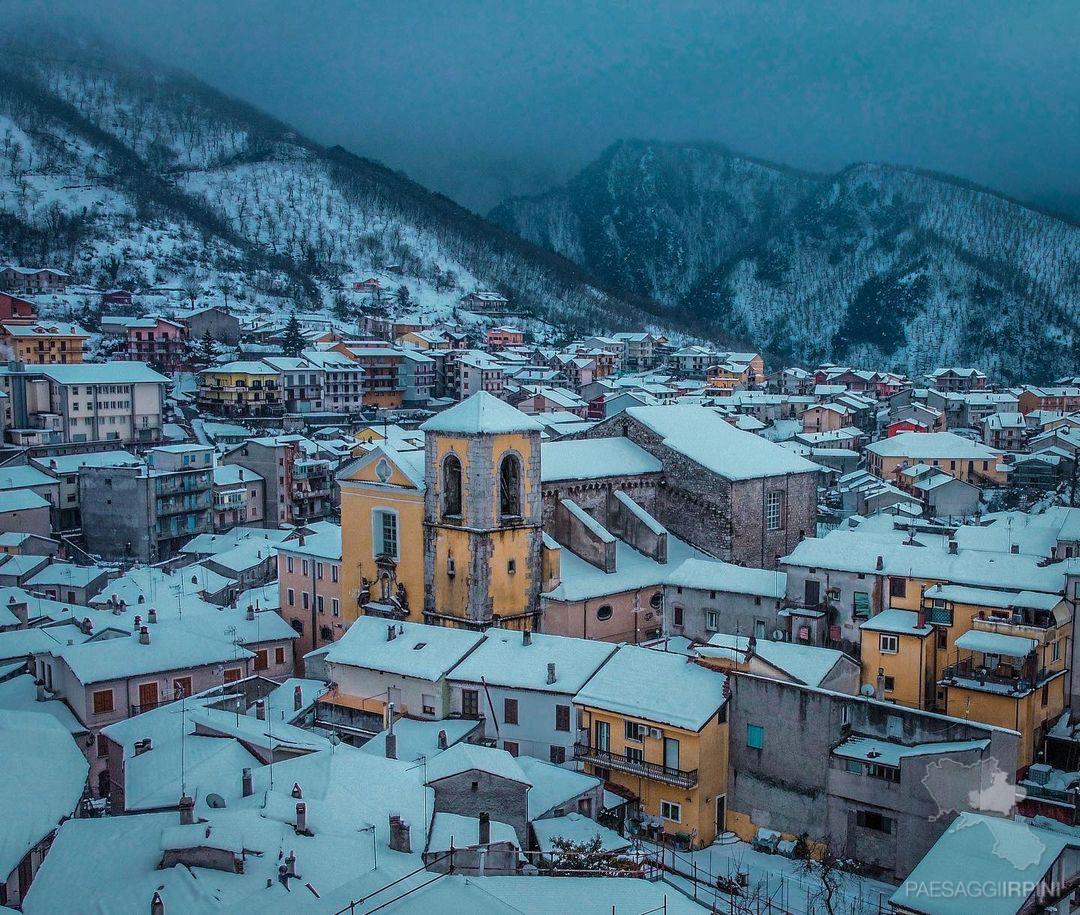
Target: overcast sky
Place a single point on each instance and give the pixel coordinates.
(485, 98)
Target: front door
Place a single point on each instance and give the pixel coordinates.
(148, 695)
(603, 736)
(721, 813)
(813, 592)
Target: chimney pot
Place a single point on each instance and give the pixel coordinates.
(250, 612)
(290, 864)
(152, 616)
(297, 791)
(526, 637)
(953, 547)
(880, 563)
(138, 622)
(157, 905)
(391, 746)
(442, 740)
(551, 672)
(187, 811)
(391, 633)
(260, 710)
(144, 636)
(485, 828)
(400, 839)
(41, 694)
(298, 698)
(248, 783)
(301, 819)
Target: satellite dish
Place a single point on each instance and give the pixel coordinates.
(868, 690)
(778, 635)
(216, 801)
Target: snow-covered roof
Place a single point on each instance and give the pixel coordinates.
(21, 476)
(417, 650)
(19, 694)
(577, 828)
(102, 373)
(986, 597)
(926, 445)
(41, 781)
(482, 414)
(234, 475)
(451, 830)
(417, 737)
(890, 753)
(970, 853)
(809, 664)
(467, 757)
(705, 437)
(62, 464)
(503, 659)
(66, 573)
(593, 458)
(997, 643)
(900, 622)
(21, 500)
(45, 329)
(714, 575)
(553, 786)
(639, 683)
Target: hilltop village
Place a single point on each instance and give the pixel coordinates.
(412, 613)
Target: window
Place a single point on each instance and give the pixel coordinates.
(279, 655)
(452, 485)
(326, 633)
(181, 687)
(298, 626)
(103, 701)
(677, 615)
(888, 683)
(671, 811)
(386, 534)
(759, 629)
(333, 572)
(1056, 650)
(712, 620)
(603, 613)
(232, 674)
(511, 747)
(102, 746)
(755, 736)
(557, 755)
(305, 599)
(262, 659)
(427, 703)
(335, 606)
(319, 570)
(319, 603)
(303, 567)
(888, 644)
(510, 711)
(562, 717)
(635, 754)
(656, 601)
(898, 587)
(510, 487)
(774, 510)
(634, 731)
(291, 597)
(871, 819)
(470, 703)
(885, 773)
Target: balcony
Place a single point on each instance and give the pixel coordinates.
(622, 763)
(966, 674)
(1040, 626)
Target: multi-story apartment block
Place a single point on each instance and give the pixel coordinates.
(240, 389)
(158, 341)
(342, 379)
(32, 280)
(44, 342)
(309, 588)
(239, 497)
(147, 512)
(297, 488)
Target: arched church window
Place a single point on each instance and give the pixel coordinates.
(510, 487)
(452, 485)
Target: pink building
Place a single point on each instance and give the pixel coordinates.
(309, 587)
(158, 341)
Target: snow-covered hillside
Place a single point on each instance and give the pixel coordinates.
(129, 174)
(878, 265)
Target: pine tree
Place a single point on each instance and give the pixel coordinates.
(403, 296)
(292, 339)
(207, 349)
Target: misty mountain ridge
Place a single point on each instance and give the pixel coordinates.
(127, 173)
(877, 265)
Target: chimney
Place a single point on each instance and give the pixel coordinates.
(144, 636)
(250, 613)
(880, 563)
(157, 906)
(442, 740)
(391, 632)
(143, 746)
(138, 622)
(526, 637)
(400, 839)
(290, 864)
(953, 545)
(152, 616)
(187, 811)
(551, 672)
(920, 616)
(301, 820)
(260, 710)
(297, 791)
(298, 698)
(1014, 548)
(391, 745)
(485, 828)
(41, 694)
(87, 626)
(879, 688)
(248, 783)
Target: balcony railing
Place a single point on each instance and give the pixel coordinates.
(681, 777)
(966, 670)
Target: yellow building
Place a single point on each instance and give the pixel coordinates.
(44, 342)
(482, 516)
(382, 535)
(959, 457)
(1007, 680)
(999, 657)
(898, 657)
(240, 389)
(667, 748)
